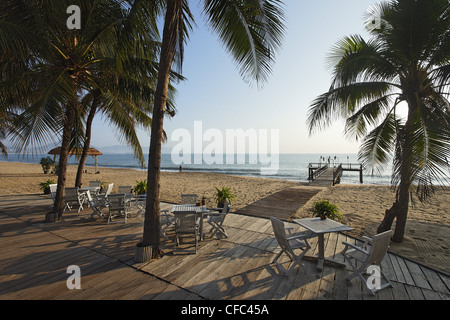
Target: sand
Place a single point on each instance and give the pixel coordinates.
(363, 206)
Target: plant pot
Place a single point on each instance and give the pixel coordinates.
(51, 217)
(143, 253)
(220, 205)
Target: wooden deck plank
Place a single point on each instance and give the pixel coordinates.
(282, 204)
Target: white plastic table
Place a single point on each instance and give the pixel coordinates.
(320, 227)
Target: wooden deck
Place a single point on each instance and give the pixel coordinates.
(283, 203)
(34, 258)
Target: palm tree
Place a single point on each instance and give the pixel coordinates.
(406, 62)
(127, 103)
(251, 30)
(62, 64)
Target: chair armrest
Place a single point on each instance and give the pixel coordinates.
(213, 214)
(302, 235)
(351, 245)
(288, 229)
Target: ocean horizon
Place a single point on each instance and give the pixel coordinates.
(290, 167)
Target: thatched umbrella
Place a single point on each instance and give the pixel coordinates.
(91, 152)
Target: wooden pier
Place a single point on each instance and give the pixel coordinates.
(324, 174)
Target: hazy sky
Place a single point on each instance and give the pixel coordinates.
(215, 94)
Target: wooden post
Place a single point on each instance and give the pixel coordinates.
(361, 174)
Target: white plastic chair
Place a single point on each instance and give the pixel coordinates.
(53, 188)
(95, 184)
(125, 189)
(72, 196)
(370, 253)
(188, 198)
(117, 206)
(103, 197)
(216, 219)
(96, 206)
(140, 203)
(186, 223)
(167, 220)
(289, 244)
(109, 189)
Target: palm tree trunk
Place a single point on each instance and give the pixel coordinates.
(151, 236)
(398, 212)
(87, 142)
(64, 155)
(399, 209)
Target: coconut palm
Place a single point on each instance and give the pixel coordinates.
(251, 31)
(62, 64)
(405, 63)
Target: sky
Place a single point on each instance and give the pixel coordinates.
(215, 97)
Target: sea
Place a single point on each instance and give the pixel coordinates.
(291, 167)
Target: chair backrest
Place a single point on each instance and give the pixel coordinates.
(226, 207)
(186, 221)
(53, 188)
(95, 183)
(90, 199)
(125, 189)
(379, 247)
(109, 189)
(116, 201)
(280, 235)
(188, 198)
(71, 194)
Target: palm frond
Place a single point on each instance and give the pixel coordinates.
(379, 144)
(251, 31)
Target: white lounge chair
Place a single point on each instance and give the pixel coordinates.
(289, 244)
(370, 253)
(186, 223)
(216, 217)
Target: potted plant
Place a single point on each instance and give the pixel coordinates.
(324, 209)
(141, 187)
(45, 186)
(223, 194)
(46, 164)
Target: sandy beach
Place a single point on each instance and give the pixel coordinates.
(363, 206)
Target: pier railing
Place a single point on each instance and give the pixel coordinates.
(315, 170)
(337, 173)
